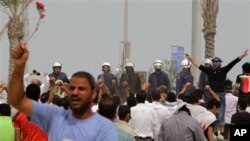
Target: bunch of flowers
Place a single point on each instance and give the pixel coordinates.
(41, 10)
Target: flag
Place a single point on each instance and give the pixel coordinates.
(245, 83)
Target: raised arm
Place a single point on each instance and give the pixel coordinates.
(16, 95)
(244, 54)
(212, 93)
(195, 63)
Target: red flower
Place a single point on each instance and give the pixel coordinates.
(42, 16)
(40, 6)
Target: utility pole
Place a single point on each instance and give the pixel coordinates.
(196, 36)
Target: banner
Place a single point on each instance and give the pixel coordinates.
(177, 55)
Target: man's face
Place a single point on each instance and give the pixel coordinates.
(207, 65)
(80, 95)
(216, 64)
(105, 69)
(57, 70)
(129, 69)
(186, 70)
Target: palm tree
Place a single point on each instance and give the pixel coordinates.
(209, 12)
(15, 25)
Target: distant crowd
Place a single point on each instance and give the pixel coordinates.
(124, 109)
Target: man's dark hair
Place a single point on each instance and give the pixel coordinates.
(184, 98)
(56, 100)
(141, 96)
(184, 108)
(242, 102)
(194, 97)
(228, 86)
(123, 111)
(171, 97)
(107, 108)
(131, 101)
(5, 109)
(117, 100)
(64, 102)
(199, 93)
(156, 95)
(213, 102)
(33, 92)
(44, 97)
(86, 75)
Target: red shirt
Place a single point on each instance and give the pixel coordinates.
(29, 130)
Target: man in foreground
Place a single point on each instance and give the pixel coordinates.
(61, 124)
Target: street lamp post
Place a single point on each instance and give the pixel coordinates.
(196, 36)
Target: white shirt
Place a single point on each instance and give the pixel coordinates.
(205, 119)
(144, 121)
(248, 109)
(231, 105)
(172, 107)
(44, 86)
(124, 126)
(3, 97)
(196, 110)
(162, 112)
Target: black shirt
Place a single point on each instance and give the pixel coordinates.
(241, 118)
(217, 77)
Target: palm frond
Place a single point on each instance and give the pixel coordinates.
(25, 4)
(14, 6)
(4, 3)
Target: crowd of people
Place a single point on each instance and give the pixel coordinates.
(125, 109)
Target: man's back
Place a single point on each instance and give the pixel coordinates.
(61, 125)
(231, 106)
(241, 118)
(181, 127)
(162, 112)
(144, 121)
(6, 129)
(29, 130)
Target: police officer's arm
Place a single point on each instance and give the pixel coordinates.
(185, 88)
(16, 96)
(195, 63)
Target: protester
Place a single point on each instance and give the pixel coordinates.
(124, 114)
(3, 93)
(243, 80)
(61, 124)
(217, 76)
(162, 112)
(108, 108)
(144, 119)
(231, 106)
(6, 126)
(207, 119)
(242, 116)
(181, 127)
(24, 129)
